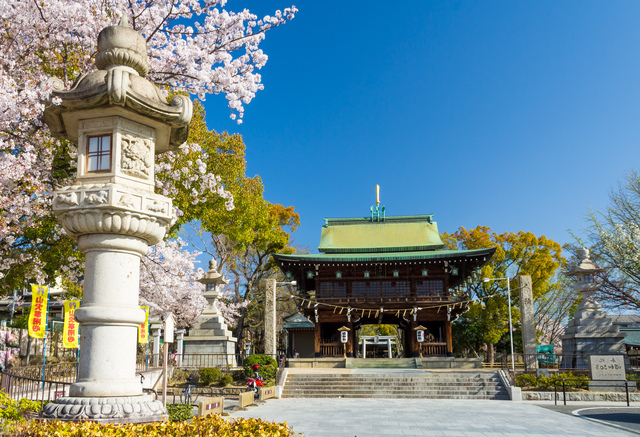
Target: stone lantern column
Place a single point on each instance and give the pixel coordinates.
(119, 121)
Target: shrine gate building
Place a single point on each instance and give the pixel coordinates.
(390, 270)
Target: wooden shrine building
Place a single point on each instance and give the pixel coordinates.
(391, 270)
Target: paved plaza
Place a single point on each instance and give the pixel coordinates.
(435, 417)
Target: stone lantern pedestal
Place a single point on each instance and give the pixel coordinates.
(119, 120)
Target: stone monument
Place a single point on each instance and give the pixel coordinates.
(119, 121)
(527, 322)
(591, 331)
(211, 334)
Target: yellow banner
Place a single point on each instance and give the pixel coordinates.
(143, 329)
(38, 314)
(71, 328)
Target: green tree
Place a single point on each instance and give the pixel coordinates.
(516, 254)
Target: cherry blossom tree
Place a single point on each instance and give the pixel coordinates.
(195, 46)
(169, 284)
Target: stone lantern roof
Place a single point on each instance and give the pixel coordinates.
(119, 87)
(212, 276)
(585, 265)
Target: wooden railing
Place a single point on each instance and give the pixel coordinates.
(331, 349)
(434, 349)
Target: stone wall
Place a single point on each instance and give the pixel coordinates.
(581, 396)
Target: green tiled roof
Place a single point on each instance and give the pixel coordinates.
(393, 234)
(386, 256)
(633, 336)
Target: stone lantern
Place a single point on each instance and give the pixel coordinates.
(119, 121)
(210, 343)
(590, 331)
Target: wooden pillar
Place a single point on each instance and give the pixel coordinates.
(317, 338)
(352, 340)
(448, 337)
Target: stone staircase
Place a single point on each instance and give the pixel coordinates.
(414, 385)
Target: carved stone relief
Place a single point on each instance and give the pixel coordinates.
(137, 156)
(70, 199)
(99, 198)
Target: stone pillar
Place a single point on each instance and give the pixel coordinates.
(156, 330)
(180, 343)
(119, 121)
(364, 348)
(389, 353)
(270, 318)
(527, 322)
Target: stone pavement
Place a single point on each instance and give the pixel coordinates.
(426, 417)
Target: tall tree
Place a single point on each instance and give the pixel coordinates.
(516, 254)
(194, 46)
(614, 239)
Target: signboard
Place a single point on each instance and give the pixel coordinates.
(169, 327)
(143, 328)
(420, 334)
(38, 314)
(70, 329)
(603, 367)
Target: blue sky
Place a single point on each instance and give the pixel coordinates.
(513, 115)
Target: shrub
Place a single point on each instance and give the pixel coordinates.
(179, 412)
(11, 410)
(634, 377)
(526, 380)
(238, 375)
(226, 380)
(212, 425)
(209, 375)
(268, 365)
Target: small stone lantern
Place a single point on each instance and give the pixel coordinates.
(119, 121)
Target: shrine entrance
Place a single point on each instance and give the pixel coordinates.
(392, 271)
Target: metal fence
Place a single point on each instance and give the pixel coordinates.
(19, 387)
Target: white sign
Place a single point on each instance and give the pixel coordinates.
(344, 336)
(169, 327)
(607, 367)
(420, 333)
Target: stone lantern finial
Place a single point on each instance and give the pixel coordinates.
(122, 46)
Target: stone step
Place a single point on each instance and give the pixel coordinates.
(376, 396)
(440, 385)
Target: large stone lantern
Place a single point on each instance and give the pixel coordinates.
(210, 342)
(119, 121)
(590, 331)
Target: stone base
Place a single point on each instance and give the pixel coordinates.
(132, 409)
(612, 386)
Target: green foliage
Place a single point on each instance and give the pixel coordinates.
(545, 383)
(634, 377)
(209, 375)
(179, 412)
(11, 410)
(212, 425)
(226, 380)
(516, 254)
(268, 365)
(238, 375)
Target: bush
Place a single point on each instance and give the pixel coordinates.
(209, 375)
(634, 377)
(526, 380)
(238, 375)
(268, 365)
(11, 410)
(547, 383)
(179, 412)
(226, 380)
(212, 425)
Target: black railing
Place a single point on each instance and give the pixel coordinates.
(511, 378)
(581, 383)
(60, 372)
(22, 387)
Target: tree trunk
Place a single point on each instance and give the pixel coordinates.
(239, 329)
(491, 354)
